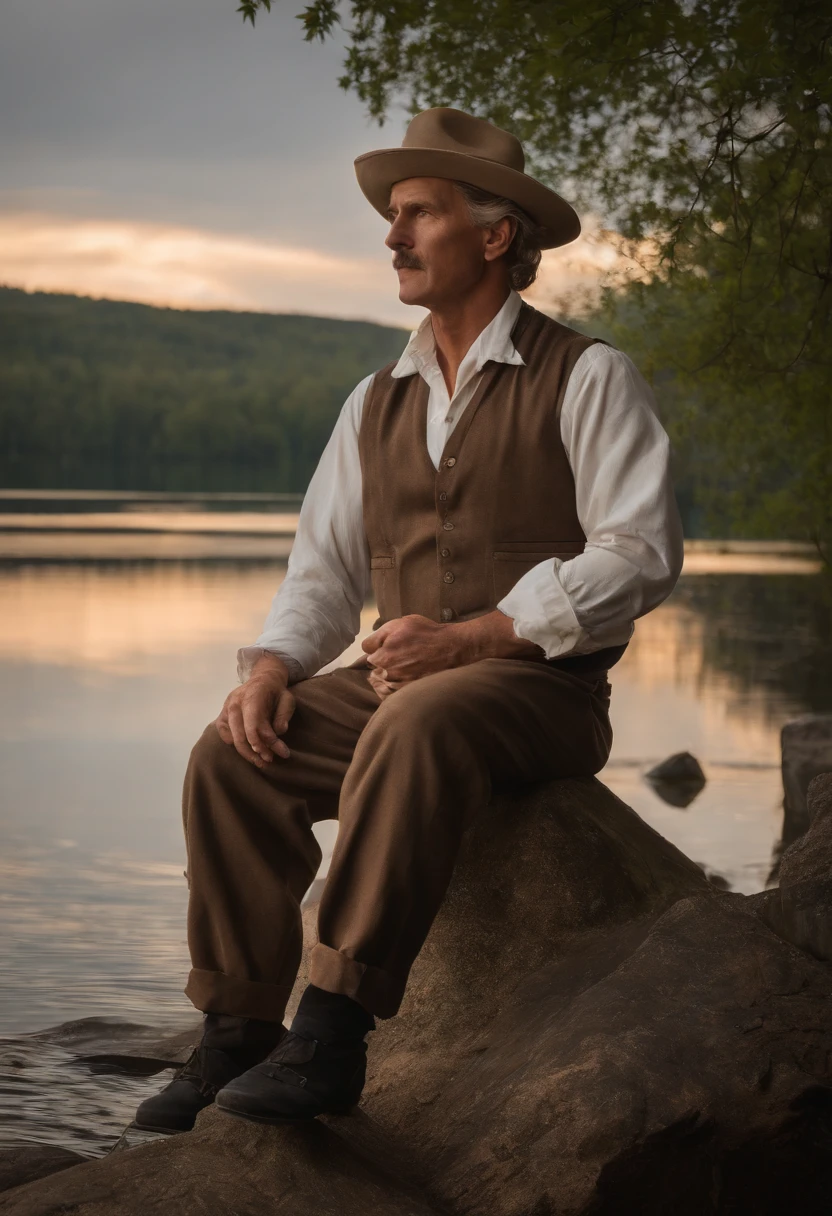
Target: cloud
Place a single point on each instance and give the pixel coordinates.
(192, 268)
(189, 267)
(168, 154)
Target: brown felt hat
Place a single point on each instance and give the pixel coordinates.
(451, 144)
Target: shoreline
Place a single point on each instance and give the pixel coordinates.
(201, 536)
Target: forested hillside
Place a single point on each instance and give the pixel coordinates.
(97, 394)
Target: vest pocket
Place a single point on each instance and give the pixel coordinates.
(533, 551)
(385, 586)
(513, 559)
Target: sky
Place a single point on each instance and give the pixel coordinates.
(165, 152)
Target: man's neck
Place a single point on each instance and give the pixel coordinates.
(458, 326)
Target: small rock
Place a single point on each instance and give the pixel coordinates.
(678, 779)
(714, 877)
(806, 753)
(126, 1065)
(88, 1037)
(681, 766)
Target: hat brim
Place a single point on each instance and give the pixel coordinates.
(378, 172)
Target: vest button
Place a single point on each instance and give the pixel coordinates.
(445, 552)
(443, 497)
(447, 614)
(448, 577)
(448, 526)
(451, 461)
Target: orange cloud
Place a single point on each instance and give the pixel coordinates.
(184, 267)
(191, 268)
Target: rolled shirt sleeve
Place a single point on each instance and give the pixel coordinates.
(620, 458)
(316, 612)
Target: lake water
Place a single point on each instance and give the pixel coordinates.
(109, 669)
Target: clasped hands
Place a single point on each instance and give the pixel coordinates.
(413, 646)
(257, 713)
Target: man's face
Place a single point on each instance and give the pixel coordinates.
(438, 253)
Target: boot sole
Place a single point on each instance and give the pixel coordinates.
(165, 1131)
(275, 1120)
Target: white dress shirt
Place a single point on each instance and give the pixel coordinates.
(619, 455)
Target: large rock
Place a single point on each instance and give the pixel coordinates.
(544, 876)
(226, 1167)
(590, 1029)
(659, 1076)
(800, 909)
(806, 749)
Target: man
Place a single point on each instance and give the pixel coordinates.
(504, 489)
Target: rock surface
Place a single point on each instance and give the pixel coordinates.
(806, 745)
(226, 1167)
(590, 1030)
(800, 909)
(31, 1161)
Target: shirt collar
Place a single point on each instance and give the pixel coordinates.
(493, 343)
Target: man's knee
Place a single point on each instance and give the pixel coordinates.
(433, 707)
(210, 753)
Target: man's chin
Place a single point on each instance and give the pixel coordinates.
(412, 287)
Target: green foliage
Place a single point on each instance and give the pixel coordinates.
(249, 8)
(102, 395)
(753, 443)
(701, 130)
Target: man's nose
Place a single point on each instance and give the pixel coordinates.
(398, 237)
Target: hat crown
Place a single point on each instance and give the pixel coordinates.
(448, 130)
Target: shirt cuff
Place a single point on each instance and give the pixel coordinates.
(542, 612)
(247, 656)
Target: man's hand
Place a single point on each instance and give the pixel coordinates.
(257, 712)
(380, 684)
(414, 646)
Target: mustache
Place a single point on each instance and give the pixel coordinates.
(406, 261)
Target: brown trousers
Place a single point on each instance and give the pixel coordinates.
(404, 777)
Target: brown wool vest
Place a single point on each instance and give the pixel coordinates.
(448, 544)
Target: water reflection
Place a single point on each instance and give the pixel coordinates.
(109, 672)
(716, 671)
(131, 619)
(772, 636)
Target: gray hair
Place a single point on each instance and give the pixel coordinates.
(523, 254)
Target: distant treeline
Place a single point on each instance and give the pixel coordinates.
(102, 395)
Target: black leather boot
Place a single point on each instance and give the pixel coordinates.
(229, 1047)
(318, 1068)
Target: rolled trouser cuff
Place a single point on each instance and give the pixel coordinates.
(378, 991)
(215, 992)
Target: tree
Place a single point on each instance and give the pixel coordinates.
(700, 130)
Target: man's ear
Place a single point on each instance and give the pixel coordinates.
(498, 239)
